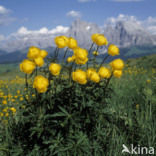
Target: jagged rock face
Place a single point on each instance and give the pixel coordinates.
(82, 32)
(126, 34)
(123, 34)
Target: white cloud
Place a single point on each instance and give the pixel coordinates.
(127, 0)
(44, 31)
(73, 13)
(5, 17)
(122, 17)
(149, 24)
(2, 38)
(83, 1)
(3, 10)
(24, 38)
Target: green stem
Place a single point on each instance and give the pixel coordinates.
(108, 80)
(94, 61)
(70, 71)
(26, 81)
(36, 71)
(57, 52)
(65, 53)
(89, 53)
(102, 62)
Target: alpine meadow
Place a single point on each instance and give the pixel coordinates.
(70, 87)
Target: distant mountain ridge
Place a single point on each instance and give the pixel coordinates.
(132, 39)
(122, 33)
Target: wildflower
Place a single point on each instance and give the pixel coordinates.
(80, 56)
(7, 114)
(21, 99)
(137, 106)
(148, 81)
(113, 50)
(13, 110)
(39, 61)
(61, 41)
(43, 53)
(72, 43)
(117, 64)
(79, 76)
(27, 66)
(95, 77)
(18, 91)
(55, 69)
(5, 109)
(33, 52)
(4, 102)
(89, 72)
(71, 59)
(99, 39)
(117, 73)
(95, 53)
(93, 37)
(104, 72)
(1, 114)
(40, 83)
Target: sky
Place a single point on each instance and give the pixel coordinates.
(36, 14)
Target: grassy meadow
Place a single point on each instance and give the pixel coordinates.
(128, 118)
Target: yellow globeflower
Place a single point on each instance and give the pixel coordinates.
(117, 73)
(148, 81)
(27, 66)
(7, 114)
(21, 99)
(41, 84)
(13, 110)
(113, 50)
(94, 37)
(71, 59)
(72, 43)
(1, 114)
(104, 72)
(61, 41)
(55, 69)
(99, 39)
(80, 56)
(117, 64)
(18, 91)
(95, 53)
(33, 52)
(89, 72)
(5, 109)
(4, 102)
(43, 53)
(79, 76)
(66, 39)
(95, 77)
(39, 61)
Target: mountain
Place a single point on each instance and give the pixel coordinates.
(128, 33)
(82, 32)
(123, 33)
(131, 37)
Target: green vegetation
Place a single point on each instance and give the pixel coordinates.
(127, 116)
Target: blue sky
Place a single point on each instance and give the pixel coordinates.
(35, 14)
